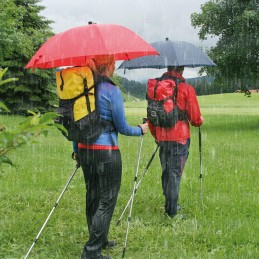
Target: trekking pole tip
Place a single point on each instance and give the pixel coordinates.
(123, 253)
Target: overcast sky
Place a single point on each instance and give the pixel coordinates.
(153, 20)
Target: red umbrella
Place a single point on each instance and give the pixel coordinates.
(74, 46)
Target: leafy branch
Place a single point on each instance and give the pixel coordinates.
(4, 81)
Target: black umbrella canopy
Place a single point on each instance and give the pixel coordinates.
(172, 53)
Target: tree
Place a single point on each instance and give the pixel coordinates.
(236, 24)
(22, 32)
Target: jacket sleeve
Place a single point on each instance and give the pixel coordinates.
(118, 115)
(193, 109)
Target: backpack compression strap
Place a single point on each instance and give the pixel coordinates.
(86, 93)
(176, 80)
(182, 114)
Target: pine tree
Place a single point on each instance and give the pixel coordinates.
(22, 31)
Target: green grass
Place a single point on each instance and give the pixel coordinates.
(227, 227)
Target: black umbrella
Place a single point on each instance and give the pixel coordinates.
(172, 53)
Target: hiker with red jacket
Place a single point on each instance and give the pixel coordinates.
(174, 141)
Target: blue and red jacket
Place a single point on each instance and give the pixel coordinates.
(111, 108)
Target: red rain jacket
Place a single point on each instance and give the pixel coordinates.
(187, 101)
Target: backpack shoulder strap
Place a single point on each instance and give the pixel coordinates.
(108, 125)
(62, 81)
(106, 79)
(167, 76)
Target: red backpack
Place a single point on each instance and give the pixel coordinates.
(162, 109)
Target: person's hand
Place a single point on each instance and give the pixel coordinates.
(75, 156)
(202, 119)
(144, 128)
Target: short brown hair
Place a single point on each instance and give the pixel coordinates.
(175, 68)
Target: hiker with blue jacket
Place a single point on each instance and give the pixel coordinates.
(101, 160)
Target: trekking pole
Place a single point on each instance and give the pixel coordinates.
(139, 182)
(135, 183)
(56, 204)
(200, 167)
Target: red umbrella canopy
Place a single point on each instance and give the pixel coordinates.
(74, 46)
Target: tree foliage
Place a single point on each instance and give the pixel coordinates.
(22, 31)
(236, 24)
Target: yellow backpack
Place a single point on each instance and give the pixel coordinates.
(76, 87)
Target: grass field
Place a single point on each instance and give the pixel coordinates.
(226, 227)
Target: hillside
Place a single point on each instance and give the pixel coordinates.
(134, 88)
(203, 85)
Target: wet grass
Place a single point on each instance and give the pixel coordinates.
(226, 227)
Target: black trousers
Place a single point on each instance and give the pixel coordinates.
(173, 156)
(102, 172)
